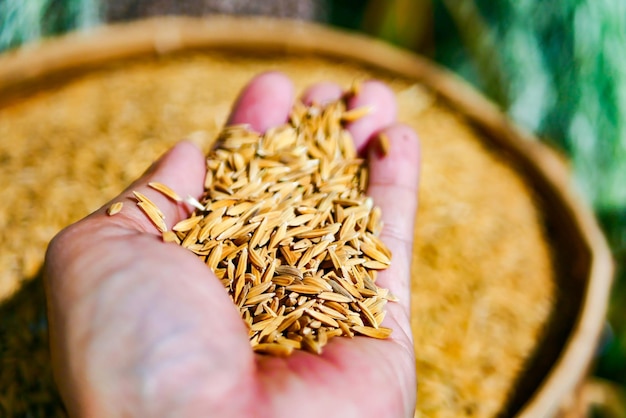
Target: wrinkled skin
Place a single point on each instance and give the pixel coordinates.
(142, 328)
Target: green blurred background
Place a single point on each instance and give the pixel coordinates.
(558, 68)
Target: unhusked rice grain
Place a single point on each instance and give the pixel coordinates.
(285, 224)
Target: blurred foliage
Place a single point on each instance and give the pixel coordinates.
(28, 20)
(404, 22)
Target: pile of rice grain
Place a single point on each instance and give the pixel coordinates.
(286, 226)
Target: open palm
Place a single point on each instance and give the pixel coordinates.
(142, 328)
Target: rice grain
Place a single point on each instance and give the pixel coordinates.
(284, 222)
(115, 208)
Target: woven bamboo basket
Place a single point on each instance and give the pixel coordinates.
(511, 274)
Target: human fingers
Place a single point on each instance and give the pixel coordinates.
(371, 94)
(322, 93)
(264, 103)
(380, 100)
(393, 184)
(393, 179)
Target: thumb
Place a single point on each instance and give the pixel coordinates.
(130, 313)
(144, 207)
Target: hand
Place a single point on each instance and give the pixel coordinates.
(141, 328)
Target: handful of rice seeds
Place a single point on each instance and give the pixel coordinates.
(284, 223)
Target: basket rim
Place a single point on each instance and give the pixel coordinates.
(163, 35)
